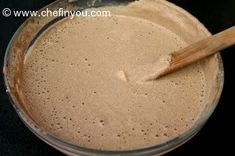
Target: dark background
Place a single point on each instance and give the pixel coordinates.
(215, 138)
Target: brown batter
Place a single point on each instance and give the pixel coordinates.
(75, 84)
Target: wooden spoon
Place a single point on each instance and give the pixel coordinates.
(194, 52)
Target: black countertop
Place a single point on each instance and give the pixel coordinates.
(215, 138)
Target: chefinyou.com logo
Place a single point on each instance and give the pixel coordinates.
(7, 12)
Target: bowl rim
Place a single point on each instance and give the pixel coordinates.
(67, 147)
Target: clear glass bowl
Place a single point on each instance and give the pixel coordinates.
(34, 26)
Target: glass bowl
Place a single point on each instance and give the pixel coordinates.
(33, 27)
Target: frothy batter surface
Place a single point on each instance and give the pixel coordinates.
(73, 89)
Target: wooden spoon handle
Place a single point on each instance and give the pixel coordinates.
(201, 49)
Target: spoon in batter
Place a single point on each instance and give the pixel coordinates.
(169, 63)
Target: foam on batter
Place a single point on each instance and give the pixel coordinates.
(75, 84)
